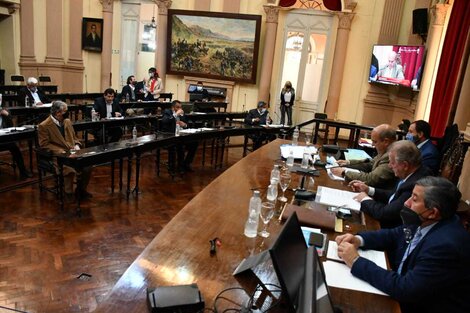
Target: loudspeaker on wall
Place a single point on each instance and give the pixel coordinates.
(420, 21)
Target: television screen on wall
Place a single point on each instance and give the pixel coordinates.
(397, 65)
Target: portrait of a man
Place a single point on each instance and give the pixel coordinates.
(92, 33)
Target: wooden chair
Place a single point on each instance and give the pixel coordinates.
(44, 79)
(325, 129)
(17, 78)
(452, 161)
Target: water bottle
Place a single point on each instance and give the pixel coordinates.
(290, 158)
(127, 98)
(93, 115)
(134, 133)
(305, 159)
(268, 120)
(275, 175)
(272, 193)
(0, 101)
(26, 101)
(251, 225)
(177, 130)
(295, 136)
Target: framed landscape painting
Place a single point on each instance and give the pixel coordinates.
(213, 45)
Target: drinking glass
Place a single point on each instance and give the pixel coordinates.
(308, 137)
(284, 182)
(266, 213)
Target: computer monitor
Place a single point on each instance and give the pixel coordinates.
(300, 271)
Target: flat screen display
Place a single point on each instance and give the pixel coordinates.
(397, 65)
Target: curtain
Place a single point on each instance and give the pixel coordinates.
(449, 66)
(411, 58)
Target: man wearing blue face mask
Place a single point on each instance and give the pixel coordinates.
(430, 271)
(256, 117)
(33, 93)
(420, 132)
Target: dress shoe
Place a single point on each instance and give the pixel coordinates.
(83, 194)
(25, 175)
(188, 168)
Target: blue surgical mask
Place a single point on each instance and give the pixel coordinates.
(263, 110)
(199, 88)
(410, 137)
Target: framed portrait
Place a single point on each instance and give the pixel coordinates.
(213, 45)
(92, 34)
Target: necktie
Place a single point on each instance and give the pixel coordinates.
(411, 246)
(398, 186)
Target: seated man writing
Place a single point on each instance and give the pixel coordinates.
(375, 173)
(56, 134)
(405, 161)
(256, 117)
(430, 271)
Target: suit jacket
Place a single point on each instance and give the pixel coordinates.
(126, 90)
(375, 173)
(292, 99)
(100, 107)
(436, 275)
(24, 92)
(51, 138)
(430, 156)
(6, 121)
(168, 122)
(389, 213)
(254, 113)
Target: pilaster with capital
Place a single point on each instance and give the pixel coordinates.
(106, 57)
(439, 12)
(27, 53)
(339, 59)
(162, 26)
(272, 16)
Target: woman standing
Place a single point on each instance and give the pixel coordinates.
(287, 102)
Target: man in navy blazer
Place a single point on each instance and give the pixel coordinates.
(257, 117)
(107, 107)
(431, 270)
(385, 205)
(420, 132)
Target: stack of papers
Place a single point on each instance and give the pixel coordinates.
(356, 154)
(298, 150)
(339, 274)
(338, 198)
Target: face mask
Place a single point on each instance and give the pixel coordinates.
(151, 75)
(199, 88)
(410, 217)
(33, 89)
(410, 137)
(263, 110)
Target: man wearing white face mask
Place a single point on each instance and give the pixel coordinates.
(257, 117)
(34, 94)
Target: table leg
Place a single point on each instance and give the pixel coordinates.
(112, 176)
(79, 183)
(137, 174)
(30, 146)
(120, 174)
(129, 174)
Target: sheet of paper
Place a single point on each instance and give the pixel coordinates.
(356, 154)
(333, 176)
(378, 257)
(298, 151)
(339, 275)
(336, 197)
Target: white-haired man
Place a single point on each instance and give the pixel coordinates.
(34, 94)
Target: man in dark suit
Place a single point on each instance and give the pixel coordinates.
(257, 117)
(173, 118)
(5, 122)
(108, 107)
(420, 132)
(430, 271)
(34, 94)
(385, 205)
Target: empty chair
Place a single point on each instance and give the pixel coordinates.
(44, 79)
(452, 161)
(325, 129)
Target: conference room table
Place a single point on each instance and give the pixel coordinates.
(15, 134)
(180, 253)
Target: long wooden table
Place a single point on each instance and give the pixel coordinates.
(179, 254)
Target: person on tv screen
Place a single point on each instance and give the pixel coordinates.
(393, 68)
(374, 68)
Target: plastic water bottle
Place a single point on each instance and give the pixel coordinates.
(26, 101)
(93, 115)
(127, 98)
(0, 101)
(275, 175)
(251, 225)
(177, 130)
(295, 136)
(290, 158)
(271, 195)
(305, 159)
(134, 133)
(268, 120)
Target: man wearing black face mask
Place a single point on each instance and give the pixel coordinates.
(259, 116)
(33, 93)
(419, 132)
(56, 134)
(431, 271)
